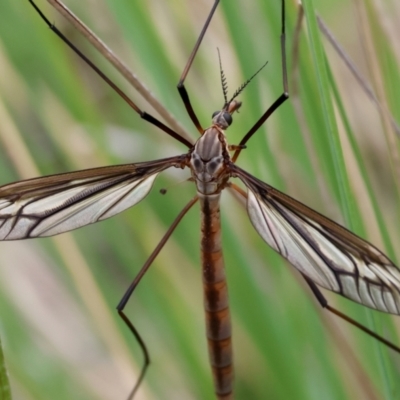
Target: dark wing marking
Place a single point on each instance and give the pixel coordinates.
(58, 203)
(324, 251)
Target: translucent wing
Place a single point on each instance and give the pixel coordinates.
(58, 203)
(324, 251)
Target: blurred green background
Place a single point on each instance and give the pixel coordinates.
(61, 336)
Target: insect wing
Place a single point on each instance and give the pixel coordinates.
(324, 251)
(54, 204)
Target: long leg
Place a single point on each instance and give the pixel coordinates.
(120, 66)
(181, 87)
(324, 304)
(133, 285)
(147, 117)
(281, 99)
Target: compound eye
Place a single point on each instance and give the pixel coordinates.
(215, 114)
(228, 118)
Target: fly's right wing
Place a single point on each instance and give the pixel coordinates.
(327, 253)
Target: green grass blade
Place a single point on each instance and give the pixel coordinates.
(5, 390)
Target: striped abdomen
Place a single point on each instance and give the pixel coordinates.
(216, 307)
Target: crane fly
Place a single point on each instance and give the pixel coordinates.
(324, 253)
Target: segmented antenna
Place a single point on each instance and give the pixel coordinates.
(223, 80)
(243, 85)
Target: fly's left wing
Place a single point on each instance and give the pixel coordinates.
(322, 250)
(54, 204)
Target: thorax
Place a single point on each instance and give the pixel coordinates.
(208, 161)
